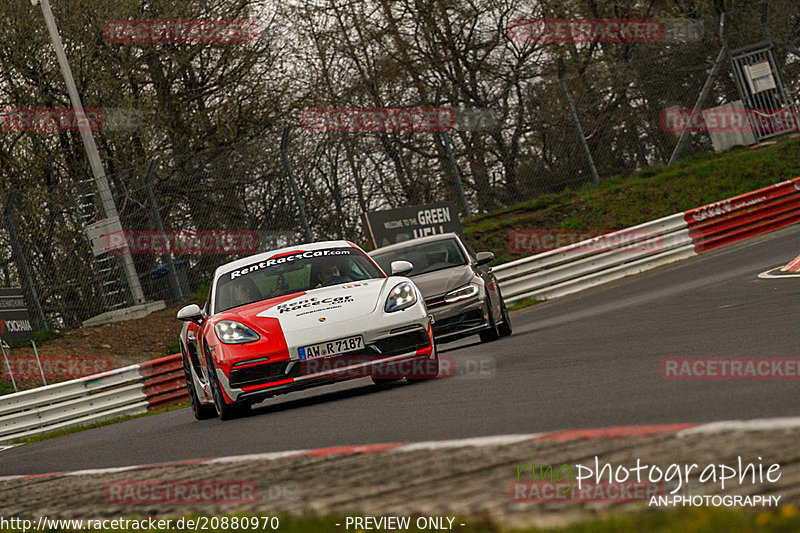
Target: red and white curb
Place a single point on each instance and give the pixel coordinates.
(679, 430)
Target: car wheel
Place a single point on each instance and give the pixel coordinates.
(200, 410)
(224, 410)
(491, 333)
(505, 327)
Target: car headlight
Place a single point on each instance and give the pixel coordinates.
(232, 332)
(401, 297)
(462, 293)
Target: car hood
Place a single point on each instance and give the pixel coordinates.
(433, 284)
(302, 310)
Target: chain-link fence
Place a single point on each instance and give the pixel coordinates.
(582, 112)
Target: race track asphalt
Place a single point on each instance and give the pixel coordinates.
(589, 360)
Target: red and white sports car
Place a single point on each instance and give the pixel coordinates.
(298, 317)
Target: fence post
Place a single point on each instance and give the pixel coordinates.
(166, 257)
(576, 120)
(684, 137)
(3, 347)
(293, 184)
(453, 163)
(19, 257)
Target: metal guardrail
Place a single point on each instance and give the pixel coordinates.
(137, 388)
(633, 250)
(597, 260)
(124, 391)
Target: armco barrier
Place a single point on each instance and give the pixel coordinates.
(124, 391)
(629, 251)
(573, 268)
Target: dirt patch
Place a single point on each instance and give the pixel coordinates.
(119, 344)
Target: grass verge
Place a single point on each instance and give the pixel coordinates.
(625, 201)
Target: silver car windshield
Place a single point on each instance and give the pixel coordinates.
(428, 257)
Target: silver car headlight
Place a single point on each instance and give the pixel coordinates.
(401, 297)
(232, 332)
(461, 293)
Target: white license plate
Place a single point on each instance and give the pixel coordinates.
(348, 344)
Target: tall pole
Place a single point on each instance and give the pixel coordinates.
(576, 120)
(298, 198)
(166, 257)
(683, 139)
(109, 208)
(453, 162)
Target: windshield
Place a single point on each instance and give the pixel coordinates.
(428, 257)
(292, 272)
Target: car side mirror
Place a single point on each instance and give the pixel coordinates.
(191, 313)
(401, 267)
(481, 258)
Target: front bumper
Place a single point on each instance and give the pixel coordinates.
(409, 343)
(459, 319)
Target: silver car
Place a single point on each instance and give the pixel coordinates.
(458, 286)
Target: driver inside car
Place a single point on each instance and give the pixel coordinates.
(329, 271)
(245, 291)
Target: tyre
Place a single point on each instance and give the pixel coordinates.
(505, 326)
(491, 333)
(224, 411)
(200, 410)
